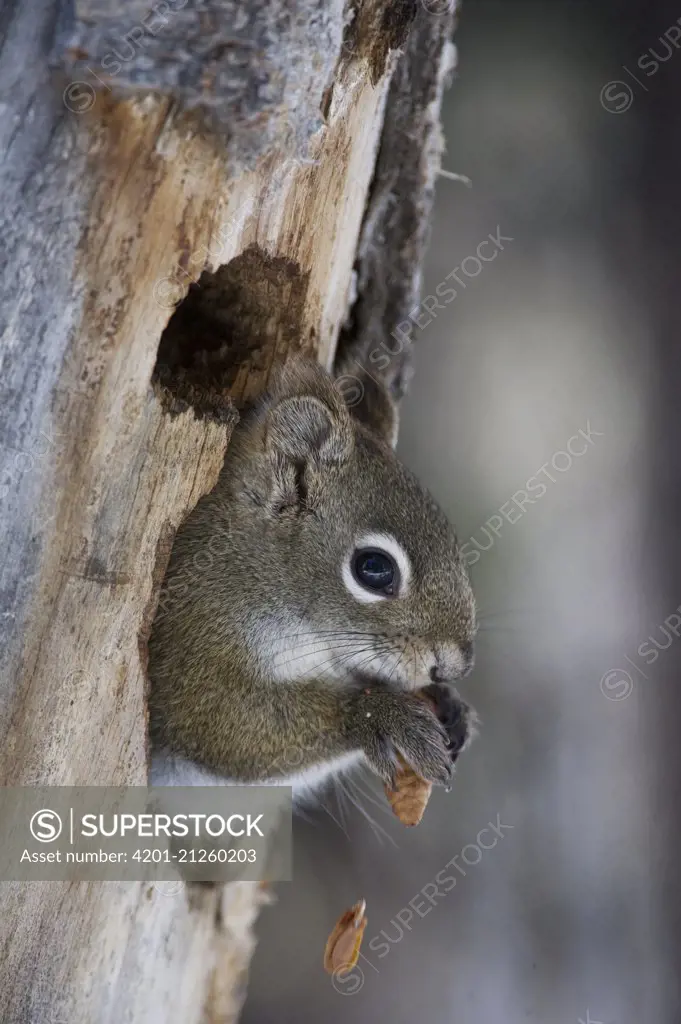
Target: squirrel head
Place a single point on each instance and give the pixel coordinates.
(349, 560)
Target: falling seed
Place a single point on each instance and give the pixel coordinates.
(342, 949)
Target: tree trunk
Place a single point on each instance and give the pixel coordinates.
(229, 157)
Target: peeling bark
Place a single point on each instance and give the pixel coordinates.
(396, 226)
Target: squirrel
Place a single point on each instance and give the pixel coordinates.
(307, 598)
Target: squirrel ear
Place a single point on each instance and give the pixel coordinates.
(370, 402)
(308, 431)
(304, 429)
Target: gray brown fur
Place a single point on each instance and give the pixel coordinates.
(259, 559)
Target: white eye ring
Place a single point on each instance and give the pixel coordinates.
(382, 542)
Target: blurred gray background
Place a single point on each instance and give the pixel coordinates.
(573, 914)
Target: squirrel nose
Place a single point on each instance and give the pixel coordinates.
(443, 673)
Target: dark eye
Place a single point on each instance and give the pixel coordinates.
(376, 571)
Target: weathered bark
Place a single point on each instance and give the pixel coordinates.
(396, 224)
(110, 209)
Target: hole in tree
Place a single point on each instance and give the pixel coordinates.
(221, 342)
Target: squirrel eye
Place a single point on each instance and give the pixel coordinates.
(376, 571)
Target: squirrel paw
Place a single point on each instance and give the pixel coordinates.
(386, 723)
(459, 719)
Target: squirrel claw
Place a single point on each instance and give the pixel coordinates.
(458, 719)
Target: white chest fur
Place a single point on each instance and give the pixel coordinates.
(169, 770)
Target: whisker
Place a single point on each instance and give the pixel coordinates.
(300, 813)
(338, 793)
(342, 658)
(334, 818)
(329, 632)
(352, 800)
(368, 795)
(397, 663)
(377, 829)
(346, 657)
(307, 653)
(339, 641)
